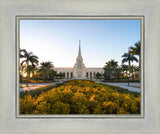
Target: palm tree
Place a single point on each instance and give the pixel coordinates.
(124, 69)
(21, 70)
(127, 57)
(34, 70)
(109, 69)
(132, 70)
(44, 68)
(52, 73)
(29, 70)
(29, 58)
(136, 51)
(137, 69)
(118, 72)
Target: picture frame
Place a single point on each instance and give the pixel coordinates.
(78, 17)
(11, 124)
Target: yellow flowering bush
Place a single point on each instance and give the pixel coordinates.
(27, 105)
(81, 97)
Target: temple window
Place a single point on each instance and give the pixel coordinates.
(79, 64)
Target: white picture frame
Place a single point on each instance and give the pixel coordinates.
(11, 124)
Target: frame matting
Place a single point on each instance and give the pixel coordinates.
(10, 124)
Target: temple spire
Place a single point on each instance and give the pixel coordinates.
(79, 53)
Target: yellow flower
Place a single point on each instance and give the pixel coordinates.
(92, 98)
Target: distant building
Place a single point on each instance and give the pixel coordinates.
(79, 70)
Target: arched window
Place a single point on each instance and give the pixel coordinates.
(90, 74)
(71, 74)
(87, 74)
(94, 74)
(79, 64)
(67, 74)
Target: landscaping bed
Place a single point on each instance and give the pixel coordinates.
(80, 97)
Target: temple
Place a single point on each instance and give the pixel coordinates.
(79, 70)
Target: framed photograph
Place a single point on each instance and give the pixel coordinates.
(107, 88)
(79, 67)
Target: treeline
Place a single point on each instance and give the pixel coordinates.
(113, 71)
(29, 66)
(45, 71)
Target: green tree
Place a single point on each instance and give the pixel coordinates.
(21, 72)
(44, 68)
(34, 70)
(28, 58)
(61, 75)
(132, 70)
(136, 50)
(109, 69)
(118, 72)
(98, 75)
(124, 69)
(51, 73)
(137, 69)
(127, 57)
(30, 70)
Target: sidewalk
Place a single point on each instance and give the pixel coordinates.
(133, 86)
(32, 86)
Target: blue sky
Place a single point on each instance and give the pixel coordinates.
(58, 40)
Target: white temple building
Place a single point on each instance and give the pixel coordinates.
(79, 70)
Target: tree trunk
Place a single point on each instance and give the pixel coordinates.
(139, 67)
(27, 76)
(132, 76)
(33, 75)
(129, 72)
(126, 74)
(44, 77)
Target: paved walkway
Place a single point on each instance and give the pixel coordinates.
(32, 86)
(133, 86)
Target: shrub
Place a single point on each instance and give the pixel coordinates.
(80, 97)
(43, 108)
(27, 105)
(79, 104)
(60, 108)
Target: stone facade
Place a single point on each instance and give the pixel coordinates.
(79, 70)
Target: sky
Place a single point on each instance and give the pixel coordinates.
(58, 40)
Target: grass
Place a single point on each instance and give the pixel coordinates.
(135, 86)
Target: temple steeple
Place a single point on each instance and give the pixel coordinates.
(79, 53)
(79, 67)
